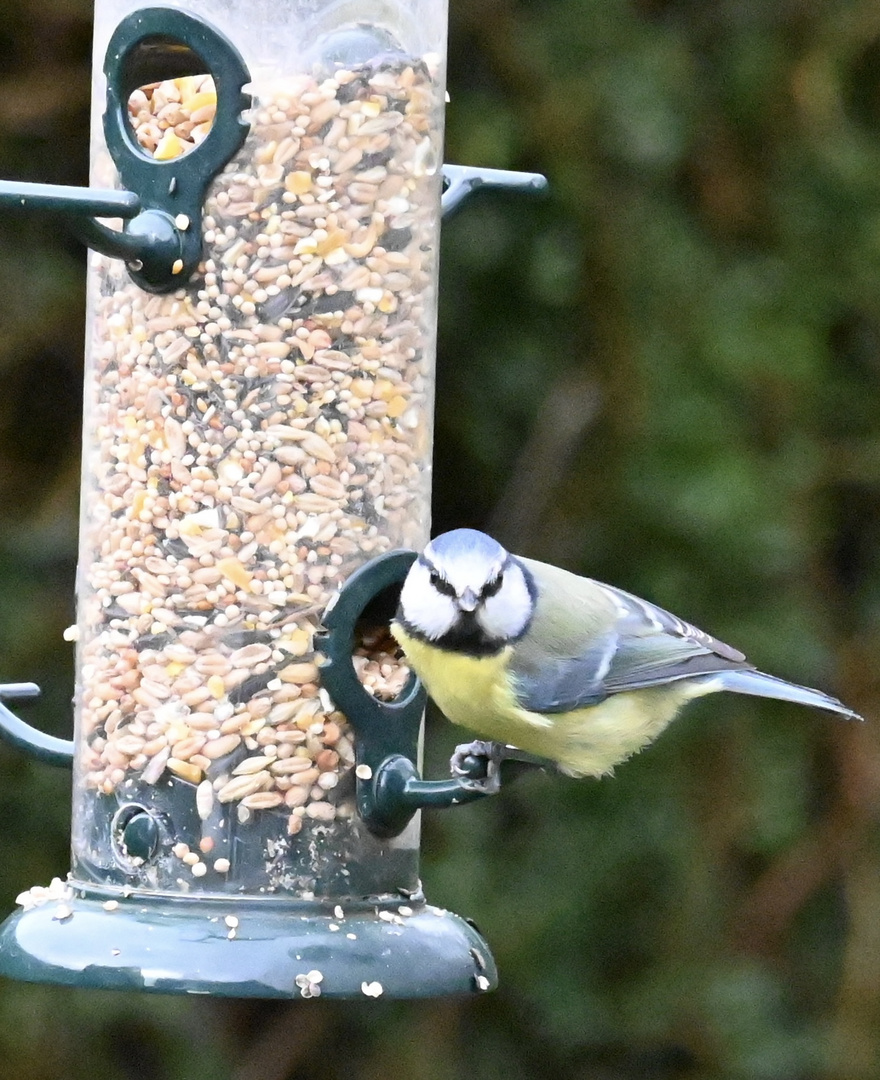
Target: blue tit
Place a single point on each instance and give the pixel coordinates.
(557, 665)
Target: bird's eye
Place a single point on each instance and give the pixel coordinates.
(492, 587)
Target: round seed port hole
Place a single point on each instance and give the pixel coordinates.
(136, 835)
(172, 99)
(377, 658)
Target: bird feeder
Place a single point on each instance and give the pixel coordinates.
(256, 474)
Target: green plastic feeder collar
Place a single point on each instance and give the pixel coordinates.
(271, 949)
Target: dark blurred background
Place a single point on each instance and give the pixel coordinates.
(665, 374)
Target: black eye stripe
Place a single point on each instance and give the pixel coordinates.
(492, 587)
(441, 584)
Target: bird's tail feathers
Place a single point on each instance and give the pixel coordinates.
(760, 685)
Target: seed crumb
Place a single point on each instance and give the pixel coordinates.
(309, 984)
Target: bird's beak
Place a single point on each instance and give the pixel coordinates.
(468, 600)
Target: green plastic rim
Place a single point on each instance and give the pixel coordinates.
(247, 947)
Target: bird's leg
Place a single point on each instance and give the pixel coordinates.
(478, 765)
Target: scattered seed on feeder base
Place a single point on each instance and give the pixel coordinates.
(309, 984)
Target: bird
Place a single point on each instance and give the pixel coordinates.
(535, 659)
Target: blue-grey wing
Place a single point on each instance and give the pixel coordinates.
(639, 645)
(558, 683)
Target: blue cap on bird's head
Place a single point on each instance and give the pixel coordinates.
(459, 542)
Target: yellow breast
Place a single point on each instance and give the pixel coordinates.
(468, 690)
(477, 693)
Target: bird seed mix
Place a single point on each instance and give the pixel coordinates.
(250, 440)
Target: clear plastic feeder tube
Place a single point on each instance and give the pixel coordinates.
(249, 440)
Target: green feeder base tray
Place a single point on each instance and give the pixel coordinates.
(246, 947)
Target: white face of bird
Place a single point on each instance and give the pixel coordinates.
(468, 592)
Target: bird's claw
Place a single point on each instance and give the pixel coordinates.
(478, 765)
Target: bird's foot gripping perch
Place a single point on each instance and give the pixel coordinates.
(477, 764)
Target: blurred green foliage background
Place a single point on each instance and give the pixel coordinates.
(665, 374)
